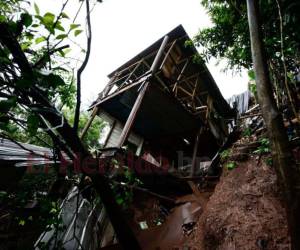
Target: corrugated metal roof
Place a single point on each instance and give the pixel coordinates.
(23, 154)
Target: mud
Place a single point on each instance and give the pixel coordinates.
(245, 211)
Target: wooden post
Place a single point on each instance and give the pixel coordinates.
(96, 108)
(194, 160)
(181, 73)
(108, 87)
(110, 132)
(159, 55)
(144, 87)
(167, 54)
(88, 124)
(286, 169)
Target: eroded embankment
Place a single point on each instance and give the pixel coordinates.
(245, 211)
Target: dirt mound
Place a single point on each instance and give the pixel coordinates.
(245, 211)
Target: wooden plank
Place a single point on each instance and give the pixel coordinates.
(167, 54)
(138, 102)
(181, 73)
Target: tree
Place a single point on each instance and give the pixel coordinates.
(30, 81)
(229, 38)
(287, 171)
(94, 133)
(274, 50)
(83, 65)
(43, 37)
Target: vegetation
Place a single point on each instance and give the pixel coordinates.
(37, 93)
(264, 146)
(229, 38)
(40, 94)
(224, 155)
(231, 165)
(37, 97)
(271, 52)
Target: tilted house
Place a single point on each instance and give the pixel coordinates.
(164, 101)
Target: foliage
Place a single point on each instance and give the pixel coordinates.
(229, 35)
(45, 70)
(228, 38)
(123, 190)
(224, 155)
(247, 132)
(269, 161)
(32, 189)
(231, 165)
(91, 139)
(264, 147)
(43, 38)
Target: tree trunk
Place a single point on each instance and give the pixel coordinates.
(82, 67)
(286, 169)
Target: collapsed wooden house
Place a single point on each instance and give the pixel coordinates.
(165, 101)
(165, 110)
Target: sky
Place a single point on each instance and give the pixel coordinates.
(123, 28)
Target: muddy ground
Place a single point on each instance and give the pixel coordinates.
(244, 212)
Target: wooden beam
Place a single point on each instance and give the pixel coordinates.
(185, 91)
(117, 93)
(144, 87)
(194, 159)
(167, 54)
(109, 133)
(88, 124)
(181, 73)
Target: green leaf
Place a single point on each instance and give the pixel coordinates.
(48, 19)
(4, 60)
(119, 200)
(62, 53)
(12, 26)
(64, 15)
(58, 26)
(29, 35)
(74, 26)
(27, 19)
(77, 32)
(53, 210)
(2, 18)
(40, 39)
(251, 74)
(36, 8)
(54, 80)
(22, 222)
(32, 124)
(6, 105)
(61, 69)
(24, 83)
(230, 165)
(61, 36)
(66, 51)
(25, 45)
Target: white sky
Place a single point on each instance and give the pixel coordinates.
(123, 28)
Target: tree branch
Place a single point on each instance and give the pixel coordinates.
(82, 67)
(284, 63)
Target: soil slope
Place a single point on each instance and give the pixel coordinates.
(244, 212)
